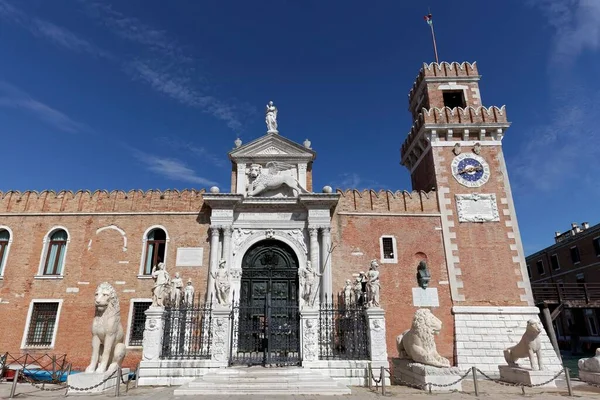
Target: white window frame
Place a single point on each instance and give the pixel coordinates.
(143, 257)
(543, 267)
(557, 262)
(590, 318)
(4, 261)
(40, 273)
(24, 345)
(578, 253)
(130, 317)
(394, 246)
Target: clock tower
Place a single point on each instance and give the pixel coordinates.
(455, 148)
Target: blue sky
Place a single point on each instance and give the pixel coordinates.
(150, 94)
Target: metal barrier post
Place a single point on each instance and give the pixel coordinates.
(68, 373)
(118, 383)
(383, 381)
(13, 388)
(429, 384)
(369, 375)
(523, 389)
(137, 375)
(568, 377)
(475, 384)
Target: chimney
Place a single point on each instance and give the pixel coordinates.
(556, 234)
(585, 225)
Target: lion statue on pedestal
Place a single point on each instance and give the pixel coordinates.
(259, 182)
(108, 338)
(529, 345)
(418, 342)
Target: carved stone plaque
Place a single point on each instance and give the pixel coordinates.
(425, 297)
(477, 207)
(189, 257)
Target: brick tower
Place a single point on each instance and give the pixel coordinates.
(455, 148)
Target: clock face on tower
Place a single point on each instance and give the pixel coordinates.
(470, 170)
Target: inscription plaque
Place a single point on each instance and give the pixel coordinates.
(425, 297)
(189, 257)
(477, 207)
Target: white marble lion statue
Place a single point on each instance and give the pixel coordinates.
(529, 345)
(108, 344)
(591, 364)
(418, 342)
(259, 182)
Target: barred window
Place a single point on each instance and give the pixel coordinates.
(388, 248)
(41, 324)
(138, 321)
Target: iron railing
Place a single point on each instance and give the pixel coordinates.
(343, 331)
(575, 293)
(187, 330)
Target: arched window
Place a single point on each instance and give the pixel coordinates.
(4, 242)
(155, 249)
(55, 253)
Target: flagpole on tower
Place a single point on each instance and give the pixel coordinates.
(429, 20)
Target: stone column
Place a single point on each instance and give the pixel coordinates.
(327, 281)
(227, 231)
(377, 344)
(313, 232)
(153, 334)
(221, 336)
(215, 232)
(309, 334)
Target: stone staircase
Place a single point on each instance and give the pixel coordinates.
(263, 381)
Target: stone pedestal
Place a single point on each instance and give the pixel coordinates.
(377, 343)
(409, 372)
(589, 377)
(89, 379)
(153, 334)
(221, 335)
(526, 376)
(309, 331)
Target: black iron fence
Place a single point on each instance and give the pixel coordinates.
(187, 330)
(343, 331)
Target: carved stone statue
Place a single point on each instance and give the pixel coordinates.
(176, 289)
(259, 182)
(528, 346)
(358, 290)
(189, 293)
(591, 364)
(160, 289)
(418, 342)
(423, 275)
(373, 286)
(271, 118)
(310, 283)
(108, 338)
(348, 293)
(222, 284)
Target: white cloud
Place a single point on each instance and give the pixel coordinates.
(171, 168)
(13, 97)
(198, 151)
(352, 180)
(576, 24)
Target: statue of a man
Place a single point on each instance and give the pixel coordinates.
(373, 285)
(423, 275)
(358, 290)
(222, 283)
(189, 293)
(348, 293)
(271, 118)
(176, 289)
(161, 284)
(310, 283)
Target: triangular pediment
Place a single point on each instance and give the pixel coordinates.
(272, 146)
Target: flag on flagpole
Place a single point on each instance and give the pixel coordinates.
(429, 19)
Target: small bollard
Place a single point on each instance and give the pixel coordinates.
(13, 388)
(137, 375)
(429, 384)
(118, 383)
(523, 389)
(68, 373)
(382, 377)
(370, 376)
(568, 378)
(475, 384)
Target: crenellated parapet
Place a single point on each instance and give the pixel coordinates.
(443, 70)
(386, 201)
(101, 201)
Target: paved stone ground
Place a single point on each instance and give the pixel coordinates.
(488, 391)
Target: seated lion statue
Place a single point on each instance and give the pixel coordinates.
(418, 343)
(108, 344)
(591, 364)
(529, 345)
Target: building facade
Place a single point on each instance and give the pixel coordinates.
(459, 218)
(566, 278)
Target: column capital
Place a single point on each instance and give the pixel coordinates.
(227, 230)
(215, 230)
(313, 231)
(325, 229)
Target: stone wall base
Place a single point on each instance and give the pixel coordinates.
(349, 372)
(482, 334)
(406, 371)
